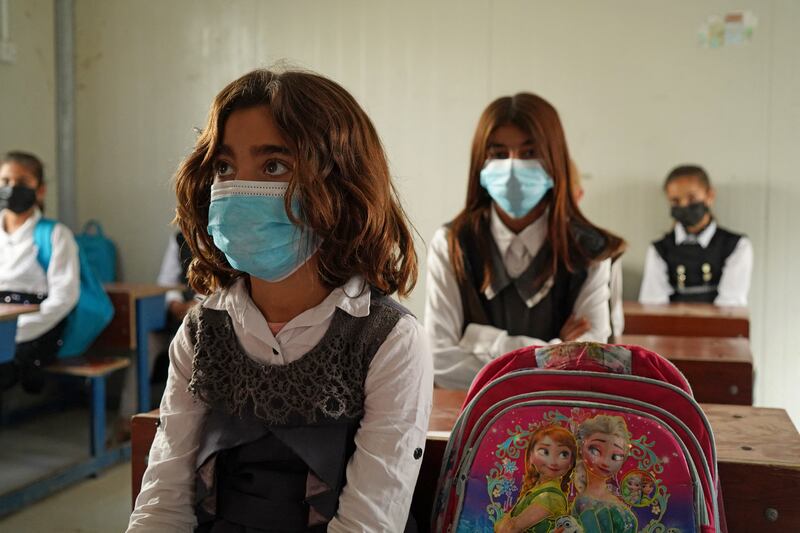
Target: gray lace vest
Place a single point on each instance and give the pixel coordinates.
(289, 425)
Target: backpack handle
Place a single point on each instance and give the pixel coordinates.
(93, 227)
(591, 356)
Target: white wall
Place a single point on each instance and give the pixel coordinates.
(27, 89)
(636, 93)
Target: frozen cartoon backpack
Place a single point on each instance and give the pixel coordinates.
(579, 437)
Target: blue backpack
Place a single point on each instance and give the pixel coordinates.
(93, 310)
(99, 250)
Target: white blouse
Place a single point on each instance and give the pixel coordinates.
(382, 472)
(171, 272)
(457, 358)
(734, 284)
(20, 271)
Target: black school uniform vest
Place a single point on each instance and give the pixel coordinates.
(555, 297)
(277, 439)
(694, 271)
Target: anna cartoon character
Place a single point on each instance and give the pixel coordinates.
(604, 442)
(549, 461)
(648, 489)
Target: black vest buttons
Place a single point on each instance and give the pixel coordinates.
(417, 453)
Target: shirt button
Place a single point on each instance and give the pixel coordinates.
(417, 453)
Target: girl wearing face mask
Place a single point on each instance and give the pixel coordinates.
(22, 277)
(697, 261)
(298, 392)
(520, 265)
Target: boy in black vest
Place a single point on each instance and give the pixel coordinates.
(697, 261)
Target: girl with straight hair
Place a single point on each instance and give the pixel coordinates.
(520, 264)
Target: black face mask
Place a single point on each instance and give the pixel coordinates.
(18, 198)
(691, 215)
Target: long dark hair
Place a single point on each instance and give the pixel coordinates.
(539, 120)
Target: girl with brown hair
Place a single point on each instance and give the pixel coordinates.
(298, 392)
(520, 264)
(549, 461)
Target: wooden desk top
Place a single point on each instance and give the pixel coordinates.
(728, 349)
(754, 435)
(694, 310)
(137, 290)
(12, 311)
(686, 320)
(744, 434)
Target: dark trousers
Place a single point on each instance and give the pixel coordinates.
(32, 356)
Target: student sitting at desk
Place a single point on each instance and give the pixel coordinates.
(22, 278)
(520, 264)
(173, 272)
(697, 261)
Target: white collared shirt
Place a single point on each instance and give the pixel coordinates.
(457, 358)
(171, 272)
(381, 473)
(20, 271)
(734, 284)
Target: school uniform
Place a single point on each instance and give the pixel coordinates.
(354, 460)
(174, 270)
(469, 327)
(713, 266)
(23, 280)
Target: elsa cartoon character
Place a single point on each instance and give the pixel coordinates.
(632, 487)
(603, 442)
(549, 461)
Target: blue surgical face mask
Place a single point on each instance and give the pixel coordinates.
(247, 221)
(517, 185)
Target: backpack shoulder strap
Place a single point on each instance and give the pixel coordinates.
(43, 238)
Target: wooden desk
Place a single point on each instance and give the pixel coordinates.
(719, 369)
(8, 328)
(138, 311)
(758, 451)
(687, 320)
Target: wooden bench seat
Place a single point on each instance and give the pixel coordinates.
(89, 366)
(95, 369)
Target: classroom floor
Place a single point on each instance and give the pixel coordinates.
(28, 451)
(98, 505)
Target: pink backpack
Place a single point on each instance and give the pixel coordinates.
(580, 437)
